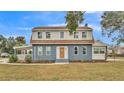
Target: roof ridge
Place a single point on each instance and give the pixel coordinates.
(59, 27)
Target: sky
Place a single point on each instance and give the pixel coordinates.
(20, 23)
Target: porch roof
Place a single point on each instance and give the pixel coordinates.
(99, 43)
(23, 47)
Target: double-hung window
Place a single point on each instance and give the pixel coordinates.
(99, 50)
(75, 50)
(102, 50)
(48, 35)
(48, 50)
(61, 35)
(40, 50)
(84, 50)
(84, 34)
(75, 35)
(39, 34)
(96, 50)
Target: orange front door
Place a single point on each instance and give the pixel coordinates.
(62, 52)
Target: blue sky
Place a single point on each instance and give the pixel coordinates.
(20, 23)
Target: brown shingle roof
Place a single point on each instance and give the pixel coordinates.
(99, 43)
(62, 41)
(58, 28)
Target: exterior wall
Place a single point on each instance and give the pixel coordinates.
(23, 54)
(71, 55)
(55, 35)
(80, 55)
(99, 56)
(36, 57)
(21, 57)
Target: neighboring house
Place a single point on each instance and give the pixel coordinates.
(22, 51)
(99, 50)
(118, 49)
(55, 44)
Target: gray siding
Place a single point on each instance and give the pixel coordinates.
(71, 55)
(80, 55)
(51, 57)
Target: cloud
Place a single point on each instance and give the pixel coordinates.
(91, 11)
(24, 28)
(96, 12)
(62, 24)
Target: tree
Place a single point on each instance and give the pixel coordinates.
(73, 19)
(112, 25)
(10, 44)
(113, 53)
(20, 40)
(7, 44)
(3, 44)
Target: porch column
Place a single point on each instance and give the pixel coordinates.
(15, 51)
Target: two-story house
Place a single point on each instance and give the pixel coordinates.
(57, 45)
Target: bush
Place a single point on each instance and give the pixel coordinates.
(13, 58)
(28, 58)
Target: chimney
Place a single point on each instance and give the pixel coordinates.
(86, 25)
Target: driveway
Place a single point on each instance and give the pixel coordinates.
(4, 60)
(116, 59)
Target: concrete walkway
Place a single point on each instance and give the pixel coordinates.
(30, 64)
(117, 59)
(4, 60)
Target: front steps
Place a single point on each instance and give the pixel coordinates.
(61, 61)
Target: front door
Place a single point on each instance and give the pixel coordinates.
(62, 52)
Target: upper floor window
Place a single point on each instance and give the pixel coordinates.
(84, 34)
(84, 50)
(48, 50)
(39, 34)
(61, 35)
(40, 50)
(48, 35)
(75, 34)
(75, 50)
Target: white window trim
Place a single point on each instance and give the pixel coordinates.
(48, 50)
(60, 35)
(46, 35)
(82, 50)
(94, 50)
(99, 50)
(82, 34)
(76, 34)
(77, 50)
(41, 51)
(41, 35)
(103, 50)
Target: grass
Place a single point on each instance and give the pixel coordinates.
(74, 71)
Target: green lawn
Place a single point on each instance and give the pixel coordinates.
(73, 71)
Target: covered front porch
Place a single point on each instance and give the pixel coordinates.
(22, 51)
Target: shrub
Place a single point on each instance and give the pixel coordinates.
(13, 58)
(28, 58)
